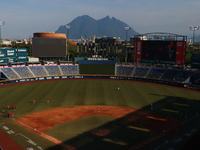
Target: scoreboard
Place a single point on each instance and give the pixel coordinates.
(157, 51)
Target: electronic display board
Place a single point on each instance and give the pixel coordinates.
(49, 47)
(157, 51)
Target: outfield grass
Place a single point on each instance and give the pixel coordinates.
(92, 92)
(86, 92)
(68, 130)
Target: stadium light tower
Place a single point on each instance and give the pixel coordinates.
(193, 28)
(1, 24)
(126, 29)
(68, 28)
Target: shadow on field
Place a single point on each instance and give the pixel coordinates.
(168, 123)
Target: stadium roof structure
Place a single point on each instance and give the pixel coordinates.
(161, 36)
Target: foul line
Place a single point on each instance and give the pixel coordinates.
(154, 118)
(181, 104)
(50, 138)
(138, 128)
(169, 110)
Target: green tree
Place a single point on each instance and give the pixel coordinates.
(72, 52)
(23, 45)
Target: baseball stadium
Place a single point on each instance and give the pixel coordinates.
(97, 105)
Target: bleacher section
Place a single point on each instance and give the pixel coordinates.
(69, 69)
(10, 73)
(53, 70)
(176, 75)
(17, 71)
(140, 72)
(23, 72)
(170, 75)
(38, 70)
(156, 73)
(124, 70)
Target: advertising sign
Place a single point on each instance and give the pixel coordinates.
(180, 52)
(10, 52)
(3, 60)
(22, 59)
(2, 53)
(11, 59)
(22, 50)
(138, 51)
(21, 54)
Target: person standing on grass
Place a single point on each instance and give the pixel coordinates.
(47, 100)
(8, 106)
(34, 101)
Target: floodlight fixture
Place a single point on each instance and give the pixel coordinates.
(68, 28)
(194, 28)
(126, 29)
(2, 23)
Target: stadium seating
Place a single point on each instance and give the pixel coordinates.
(124, 71)
(140, 72)
(38, 71)
(170, 74)
(156, 73)
(9, 73)
(23, 72)
(53, 70)
(69, 69)
(175, 75)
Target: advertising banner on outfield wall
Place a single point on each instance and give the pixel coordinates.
(99, 77)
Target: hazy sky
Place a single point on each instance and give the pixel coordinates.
(24, 17)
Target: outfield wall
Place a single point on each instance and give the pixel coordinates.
(92, 77)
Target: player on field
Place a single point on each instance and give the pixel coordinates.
(47, 100)
(34, 101)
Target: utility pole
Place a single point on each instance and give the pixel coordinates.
(126, 29)
(194, 28)
(67, 27)
(1, 24)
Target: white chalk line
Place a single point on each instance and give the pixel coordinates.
(50, 138)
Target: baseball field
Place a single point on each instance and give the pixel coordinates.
(97, 114)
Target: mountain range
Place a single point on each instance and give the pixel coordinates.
(86, 26)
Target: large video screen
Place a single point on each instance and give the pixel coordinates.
(49, 47)
(195, 61)
(159, 50)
